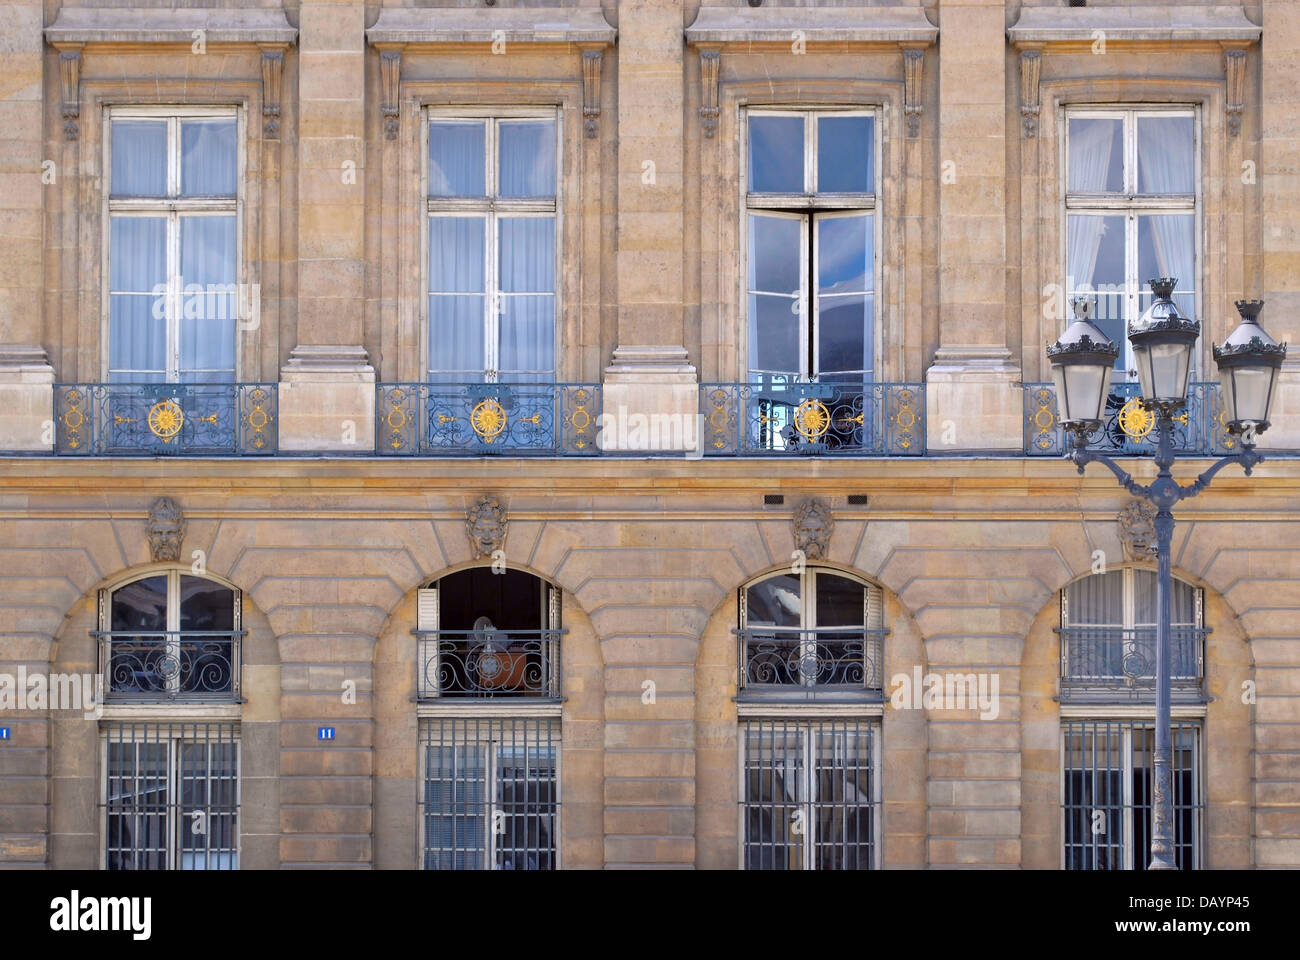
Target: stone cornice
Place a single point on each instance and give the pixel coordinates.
(149, 26)
(531, 26)
(1128, 25)
(838, 25)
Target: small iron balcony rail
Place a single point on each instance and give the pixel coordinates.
(481, 419)
(1100, 662)
(499, 665)
(787, 417)
(165, 419)
(1129, 428)
(199, 665)
(841, 660)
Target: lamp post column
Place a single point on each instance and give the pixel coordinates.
(1164, 493)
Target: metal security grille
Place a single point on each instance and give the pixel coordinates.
(171, 796)
(1107, 793)
(810, 794)
(490, 798)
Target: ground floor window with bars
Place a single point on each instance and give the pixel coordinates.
(1107, 790)
(171, 796)
(810, 794)
(490, 796)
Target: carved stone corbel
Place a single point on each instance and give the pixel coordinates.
(165, 530)
(592, 58)
(813, 525)
(913, 107)
(1137, 529)
(485, 525)
(1234, 62)
(710, 61)
(70, 90)
(1030, 65)
(272, 72)
(390, 77)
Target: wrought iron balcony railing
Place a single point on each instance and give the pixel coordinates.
(499, 664)
(1129, 428)
(1102, 662)
(479, 419)
(845, 660)
(782, 416)
(165, 419)
(199, 665)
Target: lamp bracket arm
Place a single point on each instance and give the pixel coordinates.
(1081, 456)
(1248, 459)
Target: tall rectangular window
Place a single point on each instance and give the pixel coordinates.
(173, 204)
(810, 794)
(171, 796)
(490, 793)
(1132, 189)
(492, 248)
(810, 207)
(1107, 793)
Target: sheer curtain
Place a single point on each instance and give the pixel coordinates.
(137, 324)
(208, 301)
(1167, 165)
(527, 276)
(456, 159)
(456, 298)
(1091, 144)
(208, 155)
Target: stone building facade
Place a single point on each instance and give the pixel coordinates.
(329, 504)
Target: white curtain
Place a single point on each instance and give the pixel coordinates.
(456, 167)
(1091, 143)
(139, 158)
(1097, 600)
(527, 158)
(137, 333)
(1167, 165)
(207, 310)
(208, 153)
(527, 277)
(456, 298)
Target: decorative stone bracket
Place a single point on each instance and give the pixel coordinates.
(812, 525)
(272, 74)
(70, 90)
(592, 58)
(165, 530)
(913, 64)
(1234, 62)
(390, 77)
(1030, 66)
(486, 525)
(710, 61)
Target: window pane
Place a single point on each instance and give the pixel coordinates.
(456, 159)
(1095, 262)
(456, 337)
(137, 336)
(776, 154)
(1166, 157)
(775, 602)
(845, 249)
(1167, 248)
(1096, 149)
(527, 254)
(208, 304)
(208, 158)
(140, 605)
(846, 155)
(139, 158)
(1096, 600)
(137, 254)
(844, 336)
(527, 346)
(841, 602)
(527, 158)
(206, 605)
(774, 334)
(775, 253)
(456, 254)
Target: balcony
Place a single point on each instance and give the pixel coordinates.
(1107, 663)
(488, 665)
(165, 419)
(783, 417)
(829, 662)
(1129, 429)
(153, 666)
(485, 419)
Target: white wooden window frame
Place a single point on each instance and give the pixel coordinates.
(1130, 204)
(173, 207)
(491, 209)
(808, 207)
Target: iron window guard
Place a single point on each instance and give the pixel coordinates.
(1100, 662)
(847, 660)
(503, 664)
(170, 665)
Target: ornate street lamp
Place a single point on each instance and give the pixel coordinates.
(1081, 364)
(1164, 342)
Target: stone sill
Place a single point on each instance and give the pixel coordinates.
(1038, 25)
(82, 25)
(527, 25)
(841, 25)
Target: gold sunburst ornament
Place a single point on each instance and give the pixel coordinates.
(166, 419)
(1136, 420)
(488, 418)
(812, 419)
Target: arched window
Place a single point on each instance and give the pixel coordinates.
(1108, 666)
(171, 786)
(170, 636)
(817, 630)
(488, 661)
(810, 784)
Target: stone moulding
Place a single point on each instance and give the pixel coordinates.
(838, 25)
(1144, 23)
(529, 26)
(150, 25)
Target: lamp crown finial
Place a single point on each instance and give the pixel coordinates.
(1082, 307)
(1163, 287)
(1249, 309)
